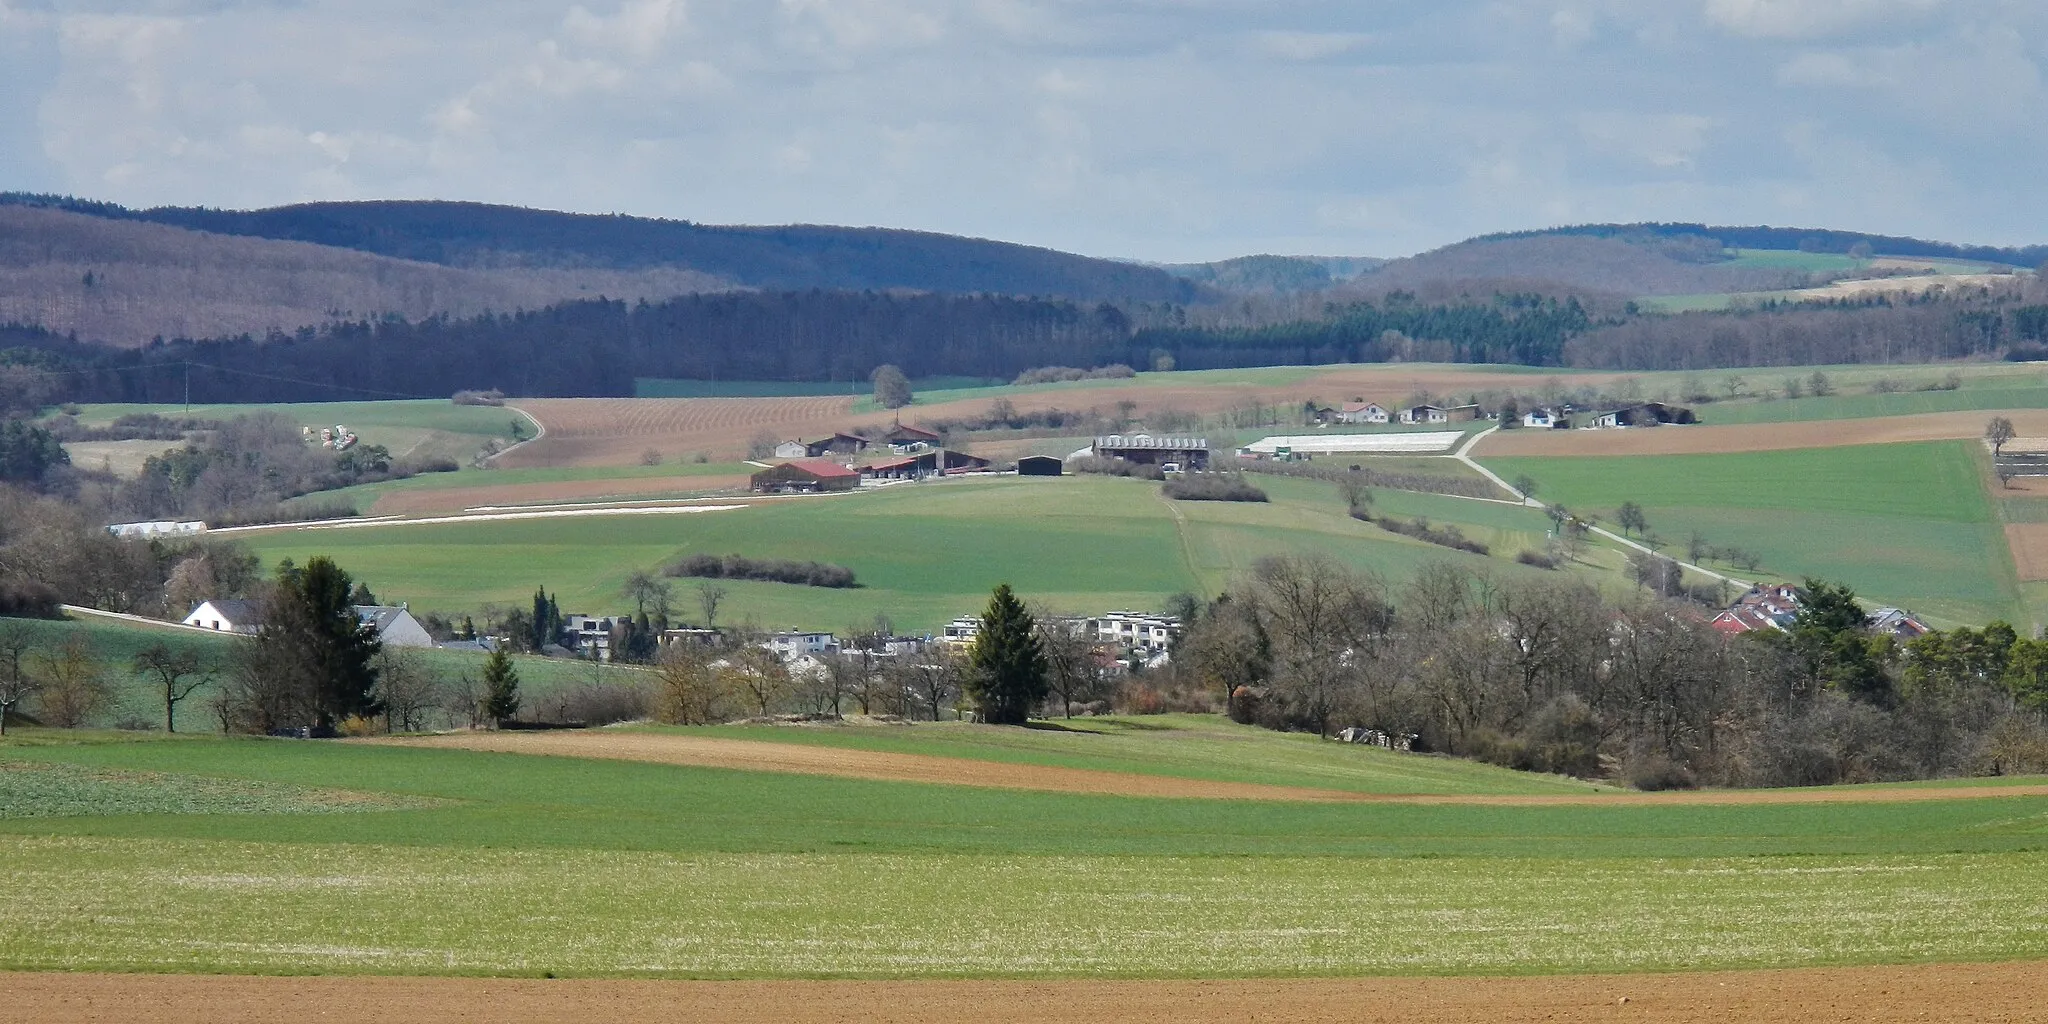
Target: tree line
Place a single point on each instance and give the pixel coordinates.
(1553, 676)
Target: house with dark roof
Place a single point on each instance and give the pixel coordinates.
(394, 625)
(838, 444)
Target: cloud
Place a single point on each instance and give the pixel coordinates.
(1153, 130)
(1810, 19)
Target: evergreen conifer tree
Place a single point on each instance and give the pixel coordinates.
(501, 687)
(1007, 665)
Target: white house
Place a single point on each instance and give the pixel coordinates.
(792, 450)
(792, 645)
(394, 626)
(1362, 412)
(1425, 414)
(159, 528)
(226, 615)
(961, 631)
(1545, 418)
(1136, 631)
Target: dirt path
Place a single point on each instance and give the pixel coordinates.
(769, 756)
(1757, 437)
(2012, 992)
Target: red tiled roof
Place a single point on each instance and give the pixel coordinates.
(822, 468)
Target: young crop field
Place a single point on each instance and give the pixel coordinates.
(1905, 524)
(662, 870)
(923, 553)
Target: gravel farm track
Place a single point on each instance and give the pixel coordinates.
(2009, 993)
(762, 755)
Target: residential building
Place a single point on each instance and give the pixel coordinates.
(227, 615)
(837, 444)
(1137, 631)
(1425, 414)
(1544, 418)
(792, 644)
(792, 450)
(1362, 412)
(394, 625)
(591, 635)
(1645, 414)
(1897, 622)
(961, 631)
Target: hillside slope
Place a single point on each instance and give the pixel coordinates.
(124, 282)
(781, 257)
(1629, 266)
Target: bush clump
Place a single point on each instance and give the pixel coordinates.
(1055, 374)
(1115, 467)
(1420, 529)
(740, 567)
(1537, 559)
(27, 599)
(472, 397)
(1212, 487)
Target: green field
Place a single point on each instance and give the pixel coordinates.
(137, 702)
(1906, 524)
(924, 553)
(507, 864)
(1868, 406)
(687, 476)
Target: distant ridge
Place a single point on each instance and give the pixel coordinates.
(479, 235)
(1805, 239)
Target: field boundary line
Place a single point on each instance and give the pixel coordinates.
(1463, 454)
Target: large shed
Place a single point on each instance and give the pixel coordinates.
(804, 476)
(1040, 465)
(1186, 453)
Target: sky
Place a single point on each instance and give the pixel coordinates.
(1166, 130)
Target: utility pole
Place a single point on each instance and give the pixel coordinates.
(188, 387)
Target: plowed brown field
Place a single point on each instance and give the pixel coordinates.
(803, 759)
(2029, 544)
(457, 499)
(614, 431)
(2009, 993)
(1755, 437)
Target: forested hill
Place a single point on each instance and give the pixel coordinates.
(787, 257)
(1802, 239)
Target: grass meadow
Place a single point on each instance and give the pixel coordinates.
(1905, 524)
(923, 553)
(421, 429)
(509, 864)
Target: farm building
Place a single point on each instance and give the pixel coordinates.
(1645, 414)
(1362, 412)
(927, 462)
(161, 528)
(792, 450)
(1187, 453)
(1545, 418)
(805, 476)
(1040, 465)
(1462, 413)
(905, 439)
(1425, 414)
(837, 444)
(226, 615)
(1422, 442)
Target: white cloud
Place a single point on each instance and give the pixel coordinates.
(1153, 130)
(1808, 19)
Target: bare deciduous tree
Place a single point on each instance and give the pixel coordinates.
(176, 674)
(17, 683)
(1999, 432)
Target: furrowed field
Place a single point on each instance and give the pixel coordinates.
(442, 861)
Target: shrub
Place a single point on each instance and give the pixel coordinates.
(1054, 374)
(1430, 483)
(286, 512)
(27, 599)
(1654, 773)
(1115, 467)
(469, 397)
(601, 702)
(1444, 536)
(1212, 487)
(1537, 559)
(739, 567)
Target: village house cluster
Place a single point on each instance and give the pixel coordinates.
(1774, 606)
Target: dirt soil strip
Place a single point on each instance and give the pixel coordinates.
(1756, 437)
(769, 756)
(457, 499)
(2029, 543)
(1922, 992)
